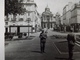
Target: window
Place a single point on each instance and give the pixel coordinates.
(51, 18)
(21, 19)
(48, 17)
(28, 0)
(13, 20)
(44, 25)
(28, 14)
(51, 25)
(6, 23)
(44, 18)
(13, 24)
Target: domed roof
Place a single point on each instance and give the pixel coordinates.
(47, 8)
(47, 11)
(58, 14)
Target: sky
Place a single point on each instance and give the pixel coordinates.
(54, 5)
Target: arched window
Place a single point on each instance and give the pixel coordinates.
(21, 19)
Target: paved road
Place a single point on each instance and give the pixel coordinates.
(30, 50)
(49, 33)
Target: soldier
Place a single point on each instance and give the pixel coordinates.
(43, 36)
(71, 43)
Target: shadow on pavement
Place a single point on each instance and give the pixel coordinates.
(61, 58)
(36, 51)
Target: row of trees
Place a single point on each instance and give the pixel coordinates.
(14, 7)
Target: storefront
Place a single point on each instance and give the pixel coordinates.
(20, 29)
(76, 27)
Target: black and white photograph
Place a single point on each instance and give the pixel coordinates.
(41, 30)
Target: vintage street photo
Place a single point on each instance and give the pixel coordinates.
(42, 29)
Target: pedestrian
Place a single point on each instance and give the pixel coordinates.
(43, 36)
(71, 38)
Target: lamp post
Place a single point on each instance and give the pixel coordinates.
(28, 25)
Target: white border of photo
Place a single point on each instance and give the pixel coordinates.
(2, 50)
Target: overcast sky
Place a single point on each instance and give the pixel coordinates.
(54, 5)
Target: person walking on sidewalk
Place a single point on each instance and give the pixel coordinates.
(43, 36)
(71, 43)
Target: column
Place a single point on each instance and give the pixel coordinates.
(6, 29)
(50, 18)
(43, 25)
(51, 25)
(43, 18)
(46, 25)
(18, 29)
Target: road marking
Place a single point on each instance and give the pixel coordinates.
(57, 48)
(77, 44)
(65, 52)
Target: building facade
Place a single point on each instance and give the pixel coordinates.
(58, 19)
(47, 19)
(67, 16)
(59, 22)
(62, 19)
(30, 17)
(75, 17)
(71, 17)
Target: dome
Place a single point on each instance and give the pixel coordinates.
(47, 8)
(58, 14)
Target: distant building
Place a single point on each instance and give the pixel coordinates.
(67, 13)
(58, 25)
(67, 16)
(62, 19)
(58, 19)
(47, 19)
(75, 17)
(71, 17)
(30, 17)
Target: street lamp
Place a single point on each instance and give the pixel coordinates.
(28, 25)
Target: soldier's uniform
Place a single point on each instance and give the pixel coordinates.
(71, 42)
(43, 37)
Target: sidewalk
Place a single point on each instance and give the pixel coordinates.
(15, 38)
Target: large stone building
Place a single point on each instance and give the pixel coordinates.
(47, 19)
(30, 17)
(67, 13)
(67, 16)
(75, 17)
(58, 19)
(62, 19)
(71, 17)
